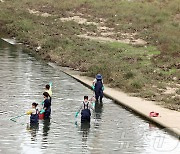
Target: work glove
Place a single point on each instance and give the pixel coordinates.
(76, 114)
(42, 111)
(50, 83)
(103, 88)
(93, 87)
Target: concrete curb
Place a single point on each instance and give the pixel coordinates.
(168, 119)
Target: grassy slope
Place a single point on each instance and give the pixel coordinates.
(146, 71)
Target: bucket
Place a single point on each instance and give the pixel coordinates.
(41, 116)
(153, 114)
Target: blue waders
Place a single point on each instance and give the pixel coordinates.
(47, 105)
(98, 90)
(34, 118)
(85, 114)
(47, 113)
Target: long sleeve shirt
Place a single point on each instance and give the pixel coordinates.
(47, 104)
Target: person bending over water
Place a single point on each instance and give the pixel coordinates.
(85, 110)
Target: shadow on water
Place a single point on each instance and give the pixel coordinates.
(97, 113)
(84, 130)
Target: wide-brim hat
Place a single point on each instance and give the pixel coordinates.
(98, 76)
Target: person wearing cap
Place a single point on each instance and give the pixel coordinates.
(34, 118)
(85, 110)
(98, 87)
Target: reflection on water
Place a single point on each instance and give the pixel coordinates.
(98, 113)
(112, 128)
(46, 127)
(84, 130)
(33, 129)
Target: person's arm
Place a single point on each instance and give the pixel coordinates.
(45, 104)
(91, 106)
(80, 108)
(92, 101)
(102, 85)
(50, 83)
(94, 82)
(93, 85)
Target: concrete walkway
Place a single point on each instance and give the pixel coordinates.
(168, 119)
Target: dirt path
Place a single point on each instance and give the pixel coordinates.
(105, 34)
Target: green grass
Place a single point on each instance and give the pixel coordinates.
(131, 68)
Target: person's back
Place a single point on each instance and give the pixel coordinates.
(85, 110)
(34, 118)
(98, 87)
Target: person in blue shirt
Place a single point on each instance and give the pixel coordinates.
(46, 106)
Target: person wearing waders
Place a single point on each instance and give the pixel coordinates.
(48, 89)
(46, 106)
(98, 87)
(34, 118)
(85, 110)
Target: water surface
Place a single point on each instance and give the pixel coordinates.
(112, 130)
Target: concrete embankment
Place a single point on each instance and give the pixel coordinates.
(168, 119)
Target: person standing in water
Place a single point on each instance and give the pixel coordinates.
(98, 87)
(34, 118)
(46, 106)
(85, 110)
(48, 89)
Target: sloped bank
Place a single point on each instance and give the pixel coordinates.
(168, 119)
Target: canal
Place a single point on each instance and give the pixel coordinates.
(113, 129)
